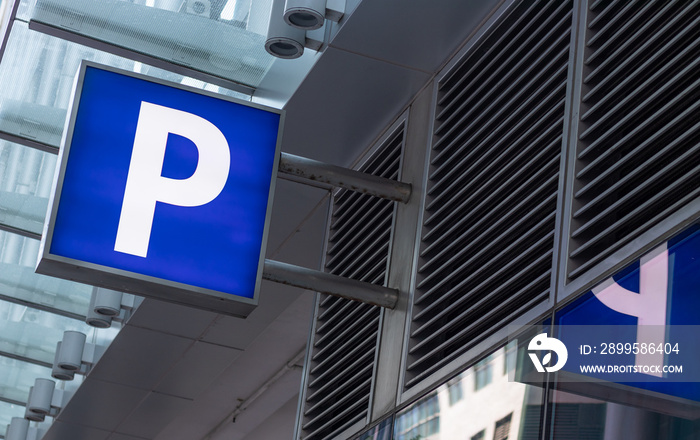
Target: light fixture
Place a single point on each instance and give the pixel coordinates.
(40, 396)
(74, 355)
(71, 353)
(283, 41)
(58, 372)
(107, 306)
(287, 34)
(305, 14)
(44, 400)
(19, 429)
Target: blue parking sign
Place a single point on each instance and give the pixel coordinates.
(642, 324)
(163, 191)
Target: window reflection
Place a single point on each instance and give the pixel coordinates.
(483, 373)
(576, 417)
(478, 404)
(379, 432)
(479, 435)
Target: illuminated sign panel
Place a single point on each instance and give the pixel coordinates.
(163, 191)
(642, 322)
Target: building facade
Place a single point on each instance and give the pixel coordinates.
(551, 146)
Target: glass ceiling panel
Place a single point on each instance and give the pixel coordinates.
(224, 38)
(23, 10)
(36, 80)
(26, 177)
(18, 376)
(32, 333)
(18, 256)
(7, 412)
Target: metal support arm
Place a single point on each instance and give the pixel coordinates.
(345, 178)
(331, 284)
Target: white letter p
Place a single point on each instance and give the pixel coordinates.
(145, 185)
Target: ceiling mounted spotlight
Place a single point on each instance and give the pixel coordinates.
(284, 48)
(74, 355)
(40, 396)
(107, 306)
(58, 372)
(71, 353)
(292, 25)
(19, 429)
(283, 41)
(305, 14)
(45, 400)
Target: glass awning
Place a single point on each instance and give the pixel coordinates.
(220, 41)
(36, 81)
(216, 45)
(26, 175)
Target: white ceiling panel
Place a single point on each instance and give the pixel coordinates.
(292, 204)
(152, 414)
(344, 104)
(172, 319)
(277, 425)
(61, 430)
(265, 357)
(197, 369)
(239, 333)
(140, 358)
(417, 35)
(97, 404)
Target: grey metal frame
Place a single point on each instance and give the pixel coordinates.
(391, 346)
(144, 285)
(364, 158)
(567, 291)
(562, 291)
(387, 316)
(10, 21)
(498, 338)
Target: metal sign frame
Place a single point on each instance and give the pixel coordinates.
(133, 282)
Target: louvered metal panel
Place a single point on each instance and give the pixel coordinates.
(638, 155)
(488, 230)
(341, 364)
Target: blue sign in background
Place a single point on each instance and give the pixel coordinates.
(215, 246)
(683, 310)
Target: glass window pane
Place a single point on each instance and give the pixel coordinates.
(36, 81)
(26, 177)
(7, 412)
(225, 39)
(32, 333)
(576, 417)
(23, 10)
(380, 432)
(18, 376)
(18, 256)
(478, 414)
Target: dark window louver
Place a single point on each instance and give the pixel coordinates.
(345, 339)
(488, 232)
(638, 154)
